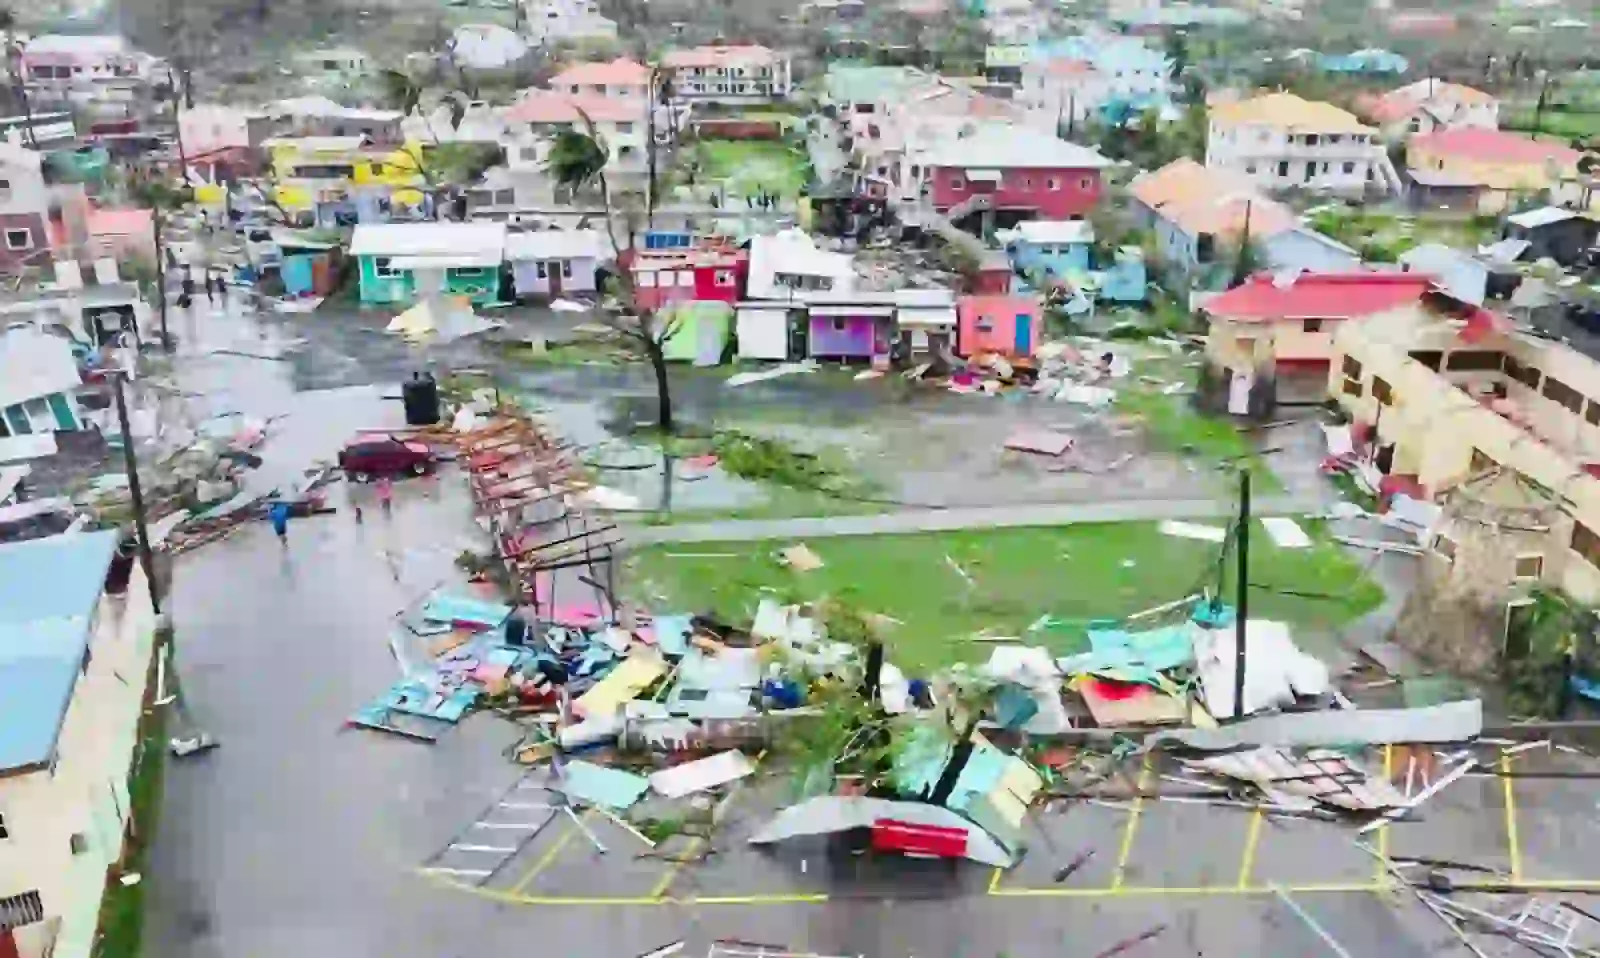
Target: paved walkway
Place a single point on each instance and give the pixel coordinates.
(981, 517)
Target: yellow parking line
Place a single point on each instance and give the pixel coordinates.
(1132, 827)
(1381, 870)
(796, 899)
(696, 843)
(1252, 840)
(547, 859)
(1512, 840)
(1138, 891)
(994, 880)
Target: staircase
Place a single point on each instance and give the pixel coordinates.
(976, 203)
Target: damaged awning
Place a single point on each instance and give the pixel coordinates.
(829, 814)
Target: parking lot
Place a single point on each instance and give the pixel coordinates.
(1150, 857)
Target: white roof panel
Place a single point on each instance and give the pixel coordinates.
(475, 241)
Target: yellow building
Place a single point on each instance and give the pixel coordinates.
(1454, 393)
(312, 169)
(1504, 164)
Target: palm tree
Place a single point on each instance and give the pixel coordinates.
(577, 160)
(13, 55)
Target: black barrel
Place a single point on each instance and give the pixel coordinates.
(420, 394)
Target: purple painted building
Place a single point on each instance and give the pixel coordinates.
(849, 332)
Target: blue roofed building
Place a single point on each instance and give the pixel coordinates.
(75, 664)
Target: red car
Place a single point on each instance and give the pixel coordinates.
(365, 458)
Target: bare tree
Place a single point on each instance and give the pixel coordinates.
(578, 159)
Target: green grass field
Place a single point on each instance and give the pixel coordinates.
(747, 166)
(1072, 573)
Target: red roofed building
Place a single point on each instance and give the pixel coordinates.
(709, 274)
(1505, 164)
(1287, 322)
(621, 77)
(1008, 325)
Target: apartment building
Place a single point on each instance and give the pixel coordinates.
(728, 74)
(75, 664)
(1283, 142)
(1454, 393)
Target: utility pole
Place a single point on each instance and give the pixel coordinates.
(161, 276)
(1241, 612)
(130, 462)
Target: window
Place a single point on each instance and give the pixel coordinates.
(470, 272)
(19, 239)
(1585, 543)
(1283, 168)
(838, 324)
(1445, 546)
(624, 127)
(1352, 369)
(5, 189)
(1312, 325)
(686, 278)
(1381, 391)
(541, 270)
(647, 280)
(1563, 395)
(1529, 376)
(566, 269)
(1052, 183)
(958, 183)
(1027, 183)
(4, 834)
(1352, 387)
(1529, 566)
(1431, 358)
(1591, 413)
(1475, 362)
(984, 325)
(724, 277)
(1349, 168)
(382, 270)
(1087, 183)
(1250, 168)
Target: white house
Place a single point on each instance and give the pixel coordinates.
(486, 46)
(206, 127)
(557, 21)
(39, 383)
(1063, 88)
(1280, 141)
(728, 74)
(788, 266)
(24, 207)
(74, 666)
(555, 262)
(621, 77)
(539, 116)
(1431, 105)
(333, 62)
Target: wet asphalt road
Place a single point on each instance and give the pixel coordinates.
(298, 837)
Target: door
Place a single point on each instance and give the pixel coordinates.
(553, 269)
(1024, 337)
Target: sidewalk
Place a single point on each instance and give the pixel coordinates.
(983, 517)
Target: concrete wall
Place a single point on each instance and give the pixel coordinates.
(87, 795)
(1436, 427)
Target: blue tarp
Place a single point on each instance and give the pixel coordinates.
(298, 274)
(460, 608)
(597, 785)
(1132, 656)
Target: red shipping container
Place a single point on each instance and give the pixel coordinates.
(889, 835)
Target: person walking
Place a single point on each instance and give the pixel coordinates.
(206, 278)
(385, 489)
(278, 515)
(188, 288)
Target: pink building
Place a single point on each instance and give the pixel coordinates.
(1018, 174)
(60, 57)
(1009, 325)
